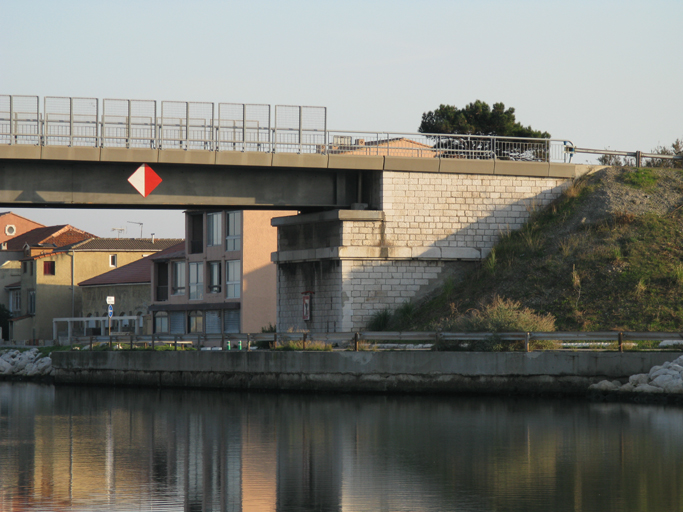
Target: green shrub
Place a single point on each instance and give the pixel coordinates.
(641, 178)
(500, 315)
(380, 321)
(317, 346)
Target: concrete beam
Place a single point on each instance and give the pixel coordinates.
(71, 183)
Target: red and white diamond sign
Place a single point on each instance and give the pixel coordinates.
(144, 179)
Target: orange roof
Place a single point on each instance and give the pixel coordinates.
(54, 236)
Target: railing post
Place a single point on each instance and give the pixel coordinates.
(300, 129)
(90, 343)
(110, 346)
(222, 341)
(526, 342)
(131, 342)
(71, 122)
(304, 341)
(244, 127)
(175, 342)
(248, 342)
(152, 341)
(355, 341)
(621, 341)
(12, 130)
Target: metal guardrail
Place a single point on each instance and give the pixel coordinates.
(124, 123)
(355, 340)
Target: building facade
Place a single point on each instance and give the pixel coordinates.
(222, 280)
(50, 275)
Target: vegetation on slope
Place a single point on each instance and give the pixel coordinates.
(607, 254)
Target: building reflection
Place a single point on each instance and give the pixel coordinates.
(75, 449)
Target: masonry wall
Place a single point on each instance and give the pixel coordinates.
(322, 277)
(445, 211)
(430, 220)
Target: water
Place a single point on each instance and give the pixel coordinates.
(106, 449)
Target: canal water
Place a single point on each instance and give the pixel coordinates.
(113, 449)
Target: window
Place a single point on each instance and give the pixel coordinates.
(49, 268)
(195, 322)
(231, 320)
(112, 260)
(233, 238)
(178, 270)
(24, 266)
(213, 228)
(31, 302)
(214, 268)
(15, 302)
(213, 322)
(196, 234)
(232, 273)
(196, 281)
(177, 322)
(161, 321)
(162, 281)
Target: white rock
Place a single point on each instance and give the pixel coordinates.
(661, 380)
(679, 360)
(43, 366)
(670, 343)
(9, 355)
(604, 385)
(5, 367)
(653, 370)
(646, 388)
(640, 378)
(28, 370)
(627, 387)
(673, 386)
(676, 367)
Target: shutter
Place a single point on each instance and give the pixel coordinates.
(177, 322)
(213, 322)
(232, 320)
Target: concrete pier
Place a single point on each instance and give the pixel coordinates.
(404, 372)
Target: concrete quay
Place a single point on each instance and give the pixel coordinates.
(534, 373)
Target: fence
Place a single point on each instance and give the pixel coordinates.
(124, 123)
(378, 340)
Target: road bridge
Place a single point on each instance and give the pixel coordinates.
(80, 152)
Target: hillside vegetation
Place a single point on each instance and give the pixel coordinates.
(607, 254)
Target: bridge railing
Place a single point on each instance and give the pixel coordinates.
(123, 123)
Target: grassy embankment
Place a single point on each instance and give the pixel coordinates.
(622, 272)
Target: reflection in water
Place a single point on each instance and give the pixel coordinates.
(79, 449)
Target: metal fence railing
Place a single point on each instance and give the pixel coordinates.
(375, 340)
(124, 123)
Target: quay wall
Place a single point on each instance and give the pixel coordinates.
(396, 371)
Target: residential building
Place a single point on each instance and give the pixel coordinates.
(130, 285)
(12, 225)
(50, 272)
(222, 280)
(399, 146)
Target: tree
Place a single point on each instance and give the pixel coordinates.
(481, 120)
(675, 149)
(477, 118)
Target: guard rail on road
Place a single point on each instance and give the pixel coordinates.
(368, 339)
(123, 123)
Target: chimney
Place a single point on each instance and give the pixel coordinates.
(152, 237)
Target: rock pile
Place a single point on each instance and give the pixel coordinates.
(28, 363)
(667, 378)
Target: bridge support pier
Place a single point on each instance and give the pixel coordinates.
(356, 263)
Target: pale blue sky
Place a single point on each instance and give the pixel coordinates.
(599, 73)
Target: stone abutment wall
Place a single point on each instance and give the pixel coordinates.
(360, 262)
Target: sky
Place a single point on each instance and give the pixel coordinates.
(602, 74)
